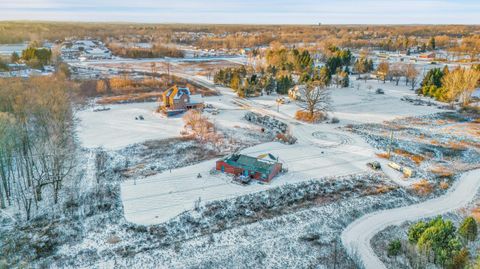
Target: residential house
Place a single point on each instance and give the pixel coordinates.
(178, 100)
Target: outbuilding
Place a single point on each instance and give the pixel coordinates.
(263, 168)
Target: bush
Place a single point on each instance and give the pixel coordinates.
(460, 259)
(306, 116)
(416, 230)
(438, 237)
(423, 187)
(394, 247)
(468, 229)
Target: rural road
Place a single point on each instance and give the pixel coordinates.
(357, 236)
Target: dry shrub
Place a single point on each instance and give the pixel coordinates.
(118, 83)
(456, 145)
(201, 128)
(435, 142)
(441, 171)
(418, 159)
(114, 240)
(444, 185)
(306, 116)
(423, 187)
(382, 189)
(476, 213)
(127, 98)
(382, 155)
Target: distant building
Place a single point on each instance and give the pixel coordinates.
(263, 168)
(17, 67)
(178, 100)
(427, 56)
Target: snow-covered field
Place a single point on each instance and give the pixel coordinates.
(363, 105)
(322, 149)
(158, 198)
(117, 128)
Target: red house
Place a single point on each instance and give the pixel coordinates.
(256, 168)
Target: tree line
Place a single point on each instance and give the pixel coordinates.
(451, 86)
(438, 241)
(36, 141)
(157, 51)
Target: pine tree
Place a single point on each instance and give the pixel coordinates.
(468, 229)
(15, 57)
(431, 43)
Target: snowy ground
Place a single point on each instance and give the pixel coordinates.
(117, 128)
(322, 150)
(353, 105)
(357, 236)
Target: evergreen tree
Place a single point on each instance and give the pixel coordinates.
(431, 43)
(15, 57)
(270, 85)
(468, 229)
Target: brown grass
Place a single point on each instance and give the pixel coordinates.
(307, 117)
(130, 98)
(383, 189)
(423, 187)
(476, 213)
(442, 171)
(444, 185)
(418, 159)
(382, 155)
(456, 145)
(114, 240)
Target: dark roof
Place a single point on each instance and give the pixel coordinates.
(251, 163)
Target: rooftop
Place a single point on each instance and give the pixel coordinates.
(258, 164)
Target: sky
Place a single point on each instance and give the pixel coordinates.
(247, 11)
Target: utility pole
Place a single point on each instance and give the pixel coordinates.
(278, 104)
(389, 149)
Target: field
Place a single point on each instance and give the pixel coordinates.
(322, 150)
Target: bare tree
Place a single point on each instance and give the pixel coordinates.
(411, 75)
(314, 98)
(397, 71)
(383, 70)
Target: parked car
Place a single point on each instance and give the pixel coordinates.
(374, 165)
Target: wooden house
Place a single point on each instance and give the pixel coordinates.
(178, 100)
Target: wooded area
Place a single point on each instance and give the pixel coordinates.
(36, 141)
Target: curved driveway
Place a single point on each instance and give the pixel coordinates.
(357, 236)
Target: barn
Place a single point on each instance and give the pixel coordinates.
(263, 168)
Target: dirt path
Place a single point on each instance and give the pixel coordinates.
(357, 236)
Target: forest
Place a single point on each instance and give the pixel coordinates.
(36, 142)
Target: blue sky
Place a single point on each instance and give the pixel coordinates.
(247, 11)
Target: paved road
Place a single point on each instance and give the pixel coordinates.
(357, 236)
